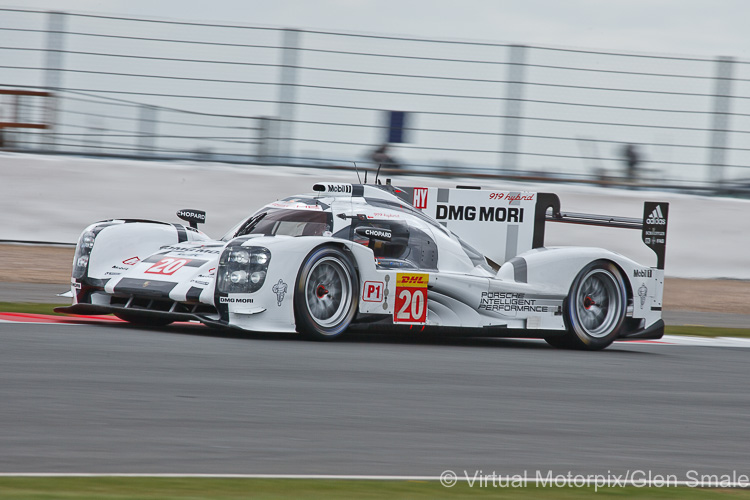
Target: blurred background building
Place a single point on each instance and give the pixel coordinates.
(82, 84)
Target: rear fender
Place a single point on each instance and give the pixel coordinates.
(556, 268)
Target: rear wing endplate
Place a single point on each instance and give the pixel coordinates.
(653, 225)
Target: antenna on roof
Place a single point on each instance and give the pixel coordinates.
(378, 173)
(357, 170)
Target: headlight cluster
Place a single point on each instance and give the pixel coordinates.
(83, 253)
(242, 269)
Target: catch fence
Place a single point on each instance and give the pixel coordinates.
(157, 89)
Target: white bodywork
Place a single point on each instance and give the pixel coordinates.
(517, 287)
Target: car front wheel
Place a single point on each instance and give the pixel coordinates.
(325, 299)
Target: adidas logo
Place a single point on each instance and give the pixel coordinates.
(656, 217)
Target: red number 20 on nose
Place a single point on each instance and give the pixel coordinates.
(167, 266)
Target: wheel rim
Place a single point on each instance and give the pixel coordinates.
(598, 304)
(328, 292)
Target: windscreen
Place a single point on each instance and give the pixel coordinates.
(285, 223)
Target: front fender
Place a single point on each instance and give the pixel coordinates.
(121, 243)
(271, 308)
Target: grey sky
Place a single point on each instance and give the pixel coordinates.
(686, 27)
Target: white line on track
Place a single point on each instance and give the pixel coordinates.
(224, 476)
(557, 481)
(705, 341)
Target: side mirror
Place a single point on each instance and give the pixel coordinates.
(194, 217)
(374, 233)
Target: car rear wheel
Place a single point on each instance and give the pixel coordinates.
(325, 299)
(595, 308)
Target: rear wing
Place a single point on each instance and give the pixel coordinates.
(503, 224)
(653, 225)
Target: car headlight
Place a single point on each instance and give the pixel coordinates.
(239, 256)
(242, 269)
(238, 277)
(83, 253)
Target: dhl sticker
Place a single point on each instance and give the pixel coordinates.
(412, 280)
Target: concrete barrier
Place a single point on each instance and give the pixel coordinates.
(52, 198)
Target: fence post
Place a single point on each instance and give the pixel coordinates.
(53, 69)
(512, 129)
(720, 120)
(263, 127)
(95, 138)
(147, 132)
(287, 94)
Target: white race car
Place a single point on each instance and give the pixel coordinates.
(454, 261)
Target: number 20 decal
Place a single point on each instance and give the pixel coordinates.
(167, 266)
(411, 298)
(412, 306)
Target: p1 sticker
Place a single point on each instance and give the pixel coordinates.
(372, 291)
(411, 298)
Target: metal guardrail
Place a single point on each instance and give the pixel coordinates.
(248, 94)
(35, 242)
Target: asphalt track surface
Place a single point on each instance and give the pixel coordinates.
(111, 398)
(47, 293)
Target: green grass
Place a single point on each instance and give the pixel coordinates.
(700, 331)
(119, 488)
(27, 307)
(706, 331)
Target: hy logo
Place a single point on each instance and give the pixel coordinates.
(420, 198)
(280, 290)
(656, 217)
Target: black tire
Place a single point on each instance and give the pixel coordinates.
(142, 320)
(561, 342)
(326, 294)
(595, 308)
